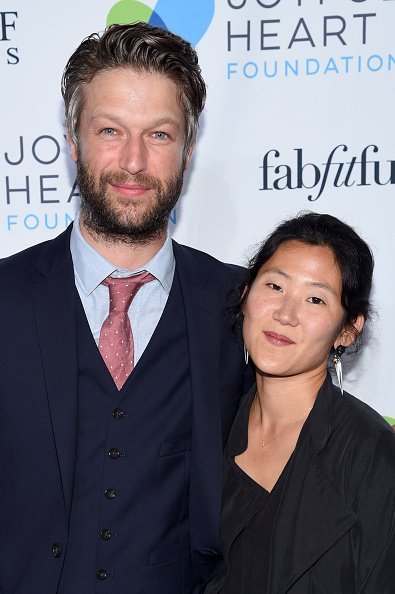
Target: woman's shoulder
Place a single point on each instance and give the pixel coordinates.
(339, 409)
(360, 419)
(361, 413)
(360, 432)
(358, 450)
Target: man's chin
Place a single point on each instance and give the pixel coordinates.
(123, 228)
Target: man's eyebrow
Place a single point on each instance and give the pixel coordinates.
(115, 118)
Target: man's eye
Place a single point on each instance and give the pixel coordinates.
(107, 131)
(160, 135)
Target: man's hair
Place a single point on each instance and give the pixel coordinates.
(142, 48)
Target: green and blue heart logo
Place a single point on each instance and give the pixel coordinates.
(188, 18)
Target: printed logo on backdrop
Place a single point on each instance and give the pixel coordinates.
(8, 36)
(188, 18)
(343, 167)
(35, 195)
(315, 42)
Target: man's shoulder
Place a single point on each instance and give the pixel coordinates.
(210, 263)
(23, 263)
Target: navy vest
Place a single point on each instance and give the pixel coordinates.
(129, 521)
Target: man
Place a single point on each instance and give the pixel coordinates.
(113, 415)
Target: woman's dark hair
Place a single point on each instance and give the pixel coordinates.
(351, 252)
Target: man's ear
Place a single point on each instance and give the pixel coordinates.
(188, 156)
(350, 332)
(72, 145)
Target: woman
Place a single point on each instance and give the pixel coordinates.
(309, 475)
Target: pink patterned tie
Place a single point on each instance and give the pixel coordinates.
(116, 337)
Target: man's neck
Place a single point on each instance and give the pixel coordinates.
(123, 255)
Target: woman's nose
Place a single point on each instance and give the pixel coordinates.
(286, 312)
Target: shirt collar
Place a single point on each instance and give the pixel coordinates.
(91, 268)
(238, 437)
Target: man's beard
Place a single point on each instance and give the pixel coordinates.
(119, 219)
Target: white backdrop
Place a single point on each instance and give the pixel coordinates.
(299, 116)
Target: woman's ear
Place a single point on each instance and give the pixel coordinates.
(350, 332)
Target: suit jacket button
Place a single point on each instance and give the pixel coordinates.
(114, 453)
(117, 413)
(110, 493)
(56, 550)
(106, 534)
(101, 574)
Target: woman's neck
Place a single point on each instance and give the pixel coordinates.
(280, 400)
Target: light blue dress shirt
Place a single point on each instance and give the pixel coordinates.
(90, 269)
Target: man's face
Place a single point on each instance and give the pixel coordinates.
(129, 154)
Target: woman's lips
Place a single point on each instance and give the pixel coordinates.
(278, 339)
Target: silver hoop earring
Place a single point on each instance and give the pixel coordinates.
(246, 355)
(338, 365)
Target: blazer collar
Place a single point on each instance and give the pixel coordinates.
(203, 318)
(312, 515)
(321, 419)
(55, 255)
(54, 301)
(194, 274)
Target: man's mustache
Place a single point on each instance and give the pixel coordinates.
(122, 177)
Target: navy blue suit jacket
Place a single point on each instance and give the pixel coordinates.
(39, 402)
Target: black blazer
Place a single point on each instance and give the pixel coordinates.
(334, 531)
(39, 404)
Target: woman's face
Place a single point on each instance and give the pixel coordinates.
(293, 314)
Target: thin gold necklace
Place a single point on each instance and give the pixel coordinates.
(265, 443)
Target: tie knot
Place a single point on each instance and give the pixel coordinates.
(122, 290)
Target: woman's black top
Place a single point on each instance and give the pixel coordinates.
(332, 527)
(247, 519)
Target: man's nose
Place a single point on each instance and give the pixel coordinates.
(133, 156)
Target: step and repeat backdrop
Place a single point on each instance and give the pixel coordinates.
(299, 117)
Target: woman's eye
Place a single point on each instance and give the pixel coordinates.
(274, 286)
(316, 300)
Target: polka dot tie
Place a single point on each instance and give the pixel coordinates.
(116, 338)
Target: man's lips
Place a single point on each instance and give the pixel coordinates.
(278, 339)
(130, 190)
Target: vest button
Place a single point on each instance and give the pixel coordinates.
(110, 493)
(102, 574)
(114, 453)
(56, 550)
(106, 534)
(117, 413)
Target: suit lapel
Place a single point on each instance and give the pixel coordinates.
(54, 299)
(202, 312)
(312, 516)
